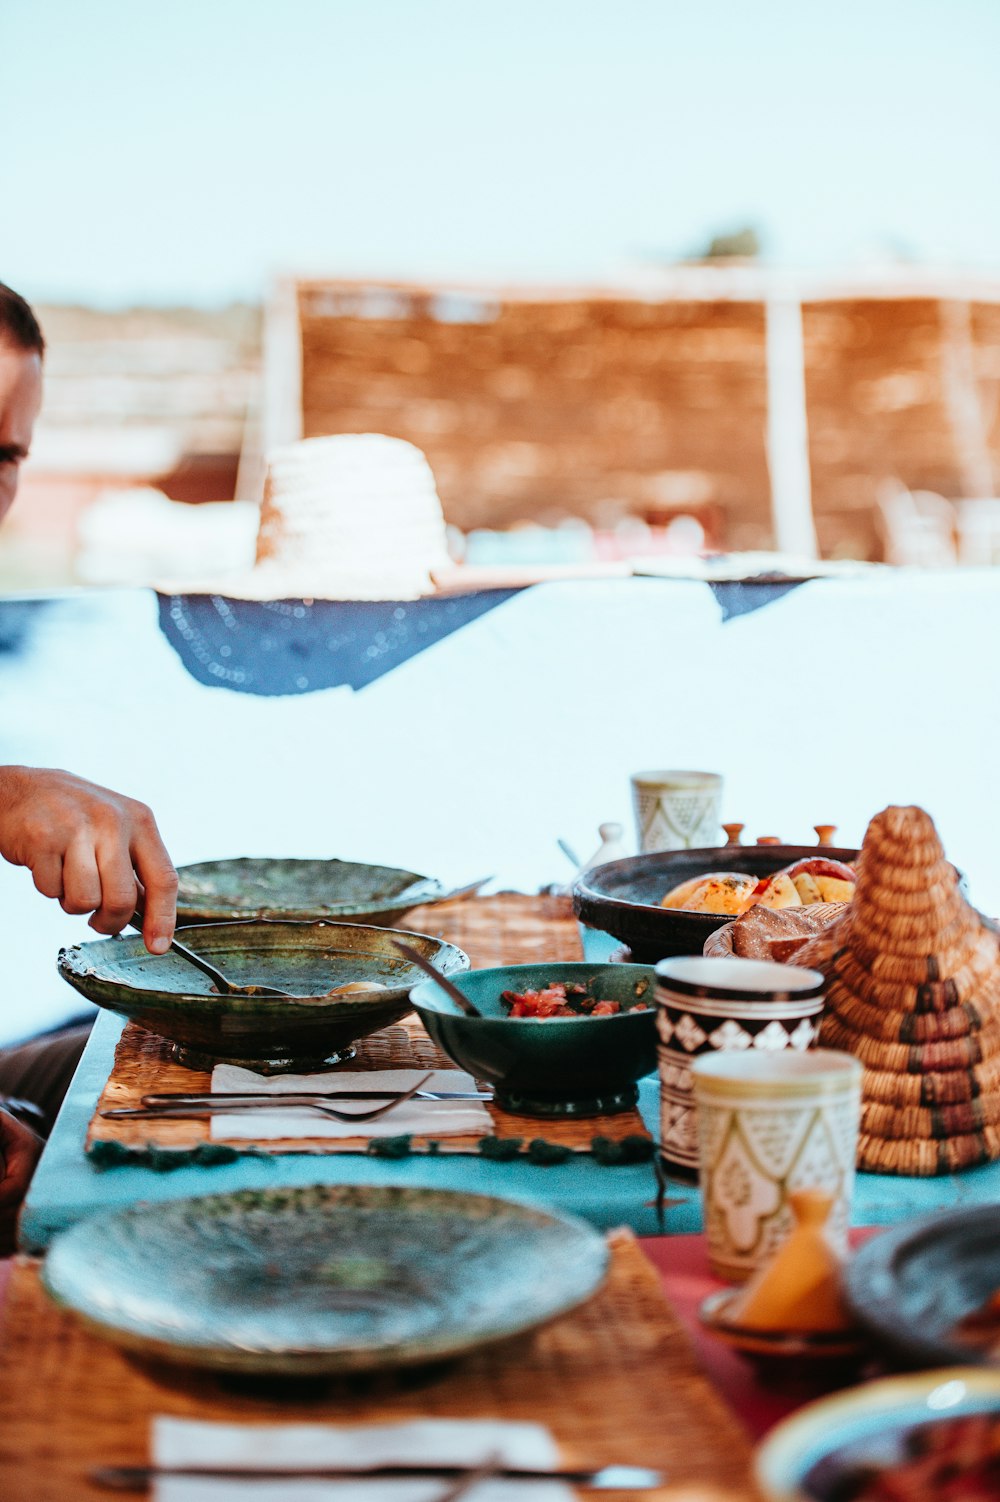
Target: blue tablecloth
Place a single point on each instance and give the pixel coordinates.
(68, 1187)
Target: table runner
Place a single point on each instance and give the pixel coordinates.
(508, 929)
(615, 1380)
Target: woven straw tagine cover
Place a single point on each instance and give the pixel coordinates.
(914, 992)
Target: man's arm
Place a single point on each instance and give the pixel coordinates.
(95, 851)
(19, 1152)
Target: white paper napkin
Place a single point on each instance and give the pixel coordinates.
(191, 1442)
(430, 1118)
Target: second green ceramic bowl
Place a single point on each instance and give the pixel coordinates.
(563, 1066)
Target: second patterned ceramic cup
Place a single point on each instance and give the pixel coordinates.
(769, 1124)
(676, 810)
(706, 1004)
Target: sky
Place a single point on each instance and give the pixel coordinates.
(191, 151)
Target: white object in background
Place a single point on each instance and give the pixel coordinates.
(979, 531)
(355, 516)
(788, 429)
(612, 847)
(138, 536)
(918, 528)
(676, 810)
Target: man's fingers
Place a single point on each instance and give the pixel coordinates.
(156, 872)
(47, 874)
(118, 890)
(81, 880)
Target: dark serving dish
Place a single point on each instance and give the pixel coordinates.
(912, 1284)
(563, 1066)
(623, 897)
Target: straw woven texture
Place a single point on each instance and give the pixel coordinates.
(914, 992)
(615, 1381)
(504, 930)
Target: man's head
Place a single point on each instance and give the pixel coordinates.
(21, 350)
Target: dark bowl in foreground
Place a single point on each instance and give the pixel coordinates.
(912, 1284)
(563, 1066)
(166, 995)
(623, 897)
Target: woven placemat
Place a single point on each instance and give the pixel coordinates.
(509, 929)
(615, 1381)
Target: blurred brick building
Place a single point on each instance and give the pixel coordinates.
(777, 410)
(729, 392)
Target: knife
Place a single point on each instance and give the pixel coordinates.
(606, 1478)
(285, 1097)
(215, 1106)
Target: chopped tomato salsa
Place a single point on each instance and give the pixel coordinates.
(561, 999)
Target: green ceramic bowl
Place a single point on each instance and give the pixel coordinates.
(329, 1279)
(166, 995)
(563, 1066)
(249, 887)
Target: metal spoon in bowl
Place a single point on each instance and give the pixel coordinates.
(416, 958)
(222, 984)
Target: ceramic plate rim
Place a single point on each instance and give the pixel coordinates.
(455, 1341)
(420, 890)
(453, 961)
(581, 966)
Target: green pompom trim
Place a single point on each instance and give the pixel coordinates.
(631, 1149)
(391, 1147)
(540, 1151)
(500, 1149)
(161, 1159)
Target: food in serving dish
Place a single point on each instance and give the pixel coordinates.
(775, 934)
(945, 1460)
(981, 1326)
(813, 880)
(562, 999)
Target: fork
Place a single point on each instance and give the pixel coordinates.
(328, 1110)
(375, 1112)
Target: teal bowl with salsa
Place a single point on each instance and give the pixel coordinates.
(581, 1065)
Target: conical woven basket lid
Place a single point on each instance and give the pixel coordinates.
(914, 992)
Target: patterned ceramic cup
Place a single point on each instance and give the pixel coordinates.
(706, 1004)
(769, 1124)
(676, 810)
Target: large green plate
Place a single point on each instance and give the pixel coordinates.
(336, 1278)
(166, 995)
(258, 887)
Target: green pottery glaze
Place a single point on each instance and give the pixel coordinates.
(562, 1066)
(166, 995)
(259, 887)
(332, 1279)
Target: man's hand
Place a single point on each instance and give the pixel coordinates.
(19, 1152)
(95, 851)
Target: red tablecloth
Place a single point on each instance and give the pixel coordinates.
(758, 1401)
